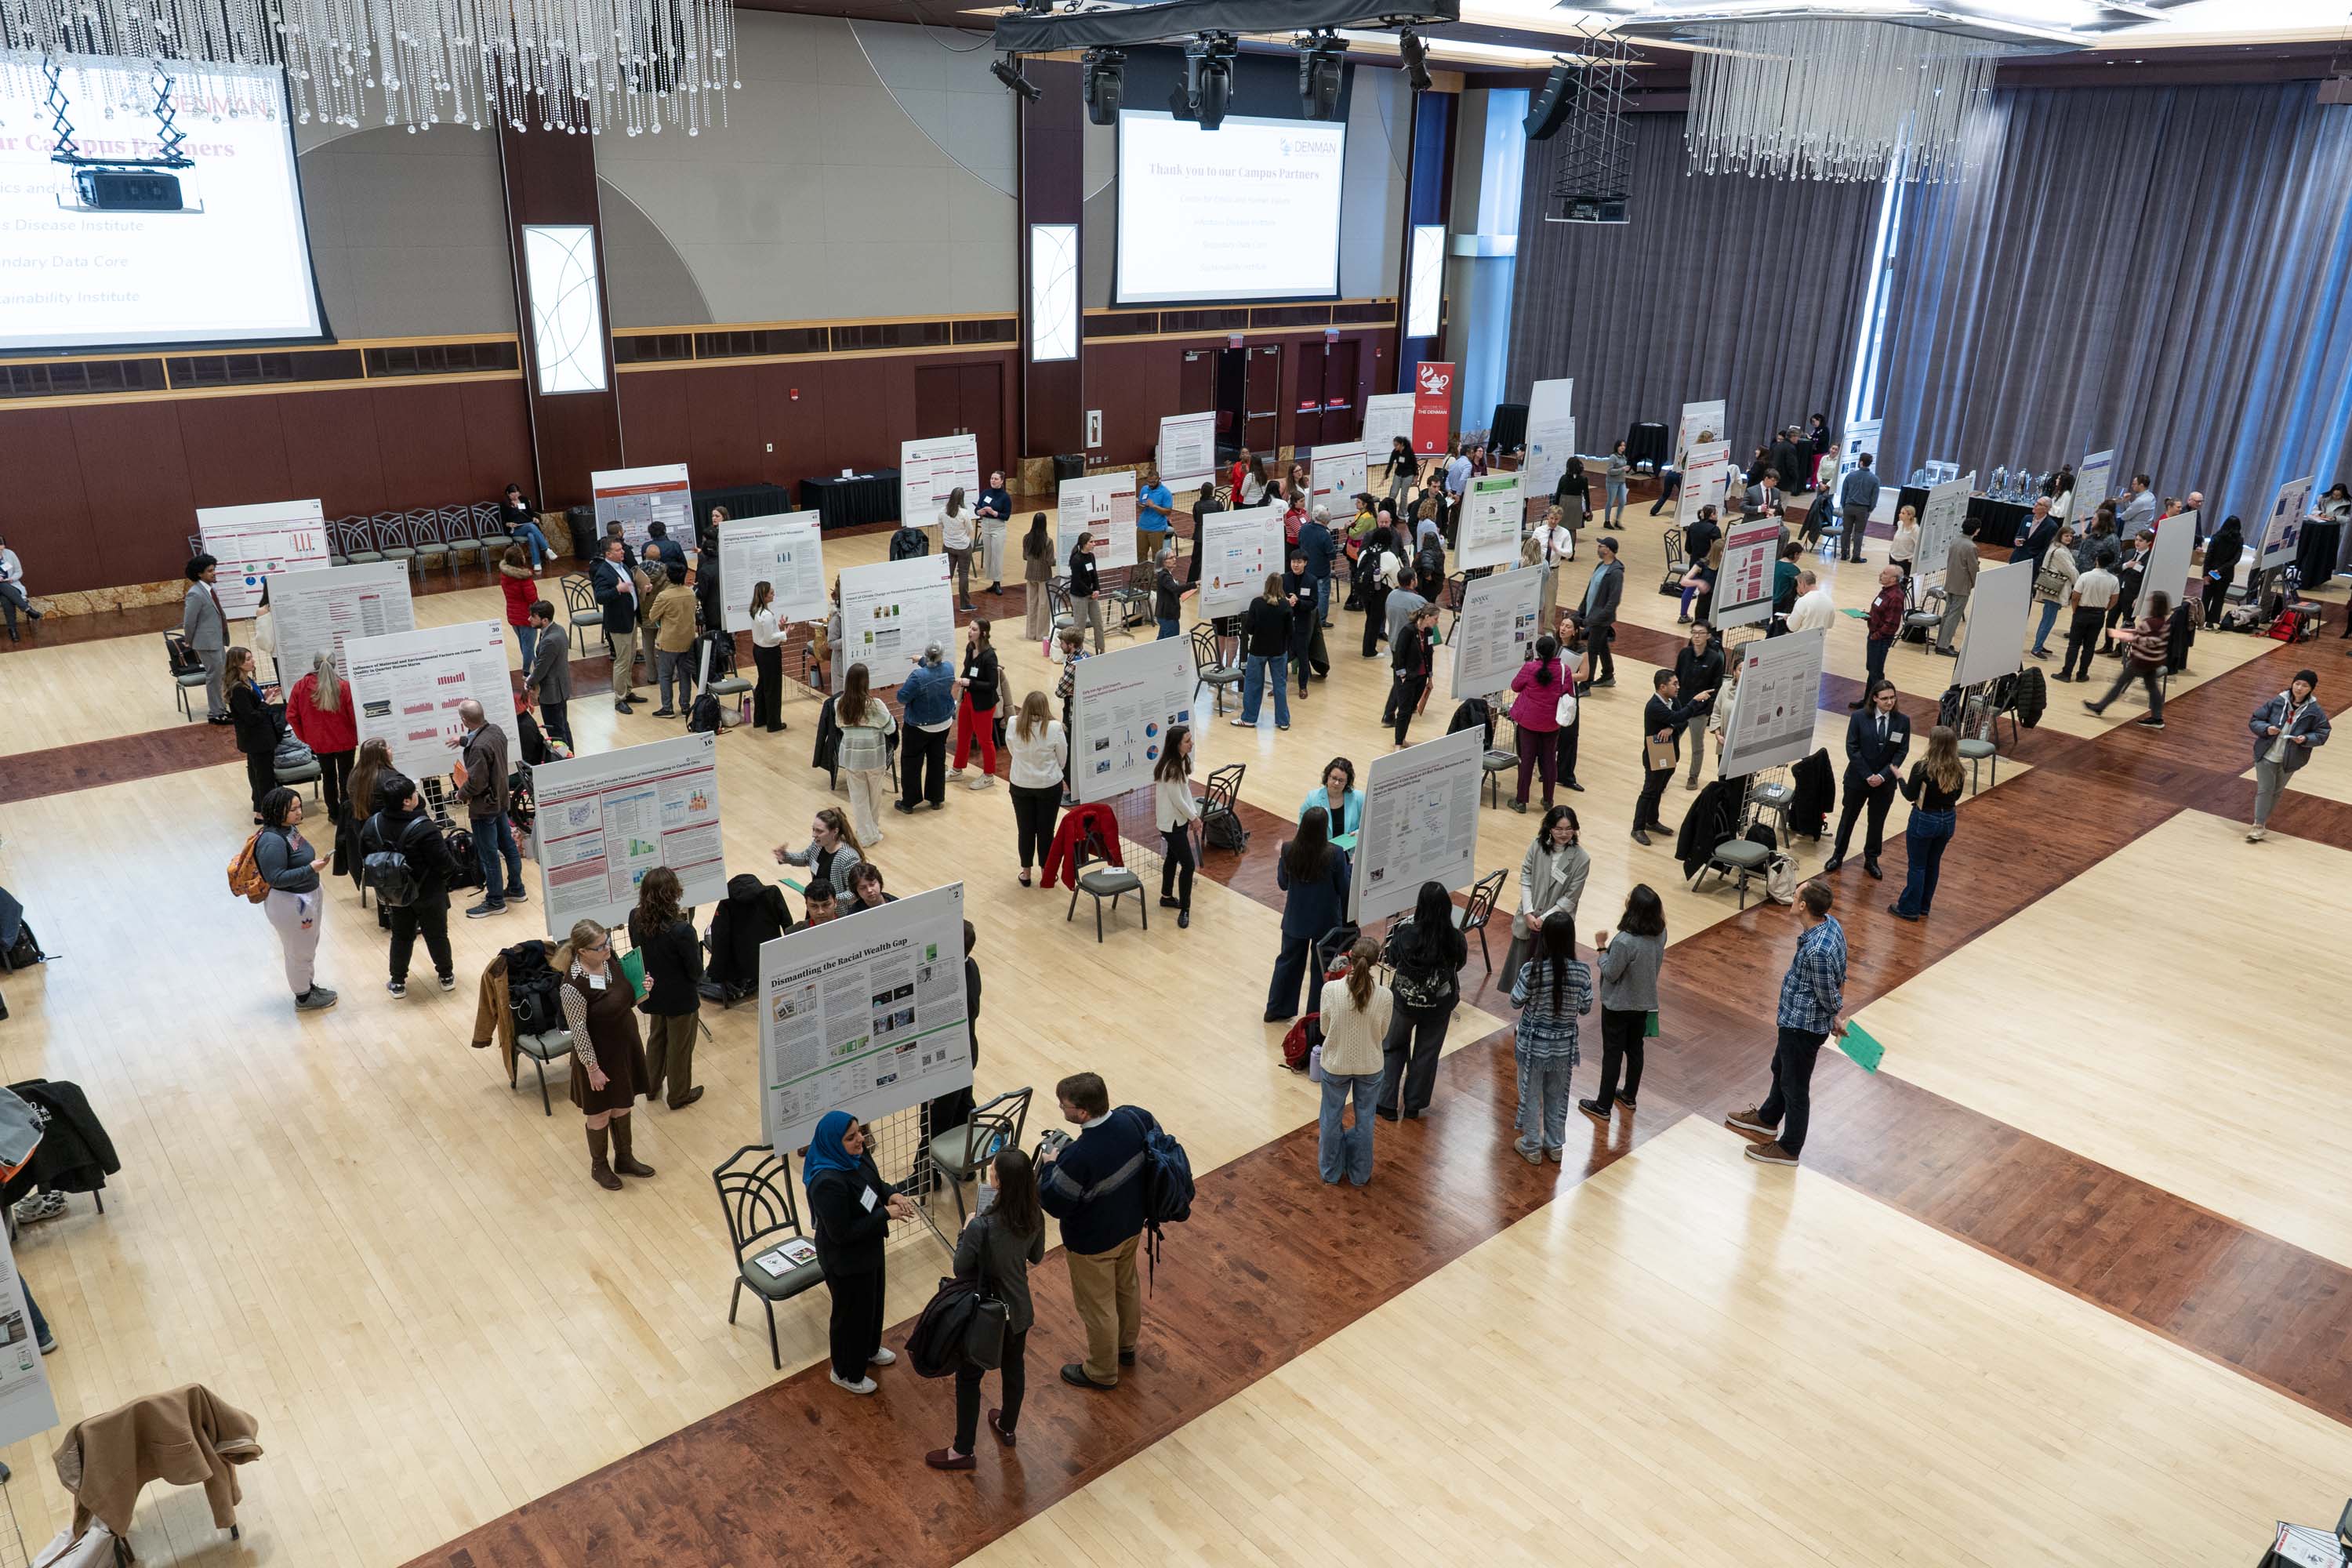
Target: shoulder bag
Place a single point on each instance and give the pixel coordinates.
(983, 1335)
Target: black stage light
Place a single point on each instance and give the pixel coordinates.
(1319, 61)
(1416, 59)
(1006, 69)
(1553, 103)
(1208, 78)
(1104, 73)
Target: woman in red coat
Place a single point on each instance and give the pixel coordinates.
(521, 589)
(319, 711)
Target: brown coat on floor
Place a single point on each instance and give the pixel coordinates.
(188, 1436)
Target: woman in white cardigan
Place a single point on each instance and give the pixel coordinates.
(1551, 880)
(1354, 1014)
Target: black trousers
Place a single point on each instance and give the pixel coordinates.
(555, 722)
(433, 923)
(1790, 1106)
(1654, 790)
(1013, 1374)
(856, 1328)
(1859, 794)
(768, 697)
(922, 765)
(1409, 1059)
(1407, 698)
(1034, 809)
(1621, 1044)
(2082, 642)
(334, 781)
(260, 775)
(1376, 615)
(1289, 972)
(1566, 754)
(1597, 639)
(1176, 867)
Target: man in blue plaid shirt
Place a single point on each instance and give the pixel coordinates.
(1811, 994)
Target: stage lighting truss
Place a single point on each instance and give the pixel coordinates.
(142, 186)
(1592, 168)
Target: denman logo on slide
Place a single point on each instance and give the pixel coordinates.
(1436, 378)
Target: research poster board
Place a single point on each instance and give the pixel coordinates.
(1187, 449)
(1707, 470)
(864, 1014)
(409, 687)
(1496, 632)
(319, 610)
(784, 550)
(1239, 549)
(1551, 433)
(1771, 722)
(1387, 415)
(1743, 587)
(1860, 435)
(2095, 481)
(637, 497)
(1122, 705)
(1433, 406)
(1336, 477)
(1102, 505)
(1940, 516)
(929, 469)
(1994, 642)
(2282, 533)
(891, 611)
(606, 820)
(27, 1407)
(1701, 422)
(2167, 561)
(1421, 824)
(253, 542)
(1494, 514)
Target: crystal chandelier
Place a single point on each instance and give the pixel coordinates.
(575, 65)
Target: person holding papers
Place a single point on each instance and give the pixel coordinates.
(850, 1211)
(1813, 995)
(1814, 609)
(609, 1072)
(1662, 727)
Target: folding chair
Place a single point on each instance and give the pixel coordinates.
(1472, 917)
(961, 1152)
(1113, 882)
(755, 1189)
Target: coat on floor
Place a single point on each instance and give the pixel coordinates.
(188, 1436)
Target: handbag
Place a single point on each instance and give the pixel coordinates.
(1565, 710)
(983, 1335)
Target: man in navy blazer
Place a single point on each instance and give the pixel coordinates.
(1877, 741)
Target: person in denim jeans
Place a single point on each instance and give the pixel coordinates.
(1356, 1010)
(1551, 990)
(1265, 639)
(521, 524)
(1933, 789)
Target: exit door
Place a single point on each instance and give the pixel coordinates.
(1262, 390)
(1326, 414)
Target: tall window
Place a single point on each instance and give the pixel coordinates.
(1425, 291)
(1053, 290)
(567, 317)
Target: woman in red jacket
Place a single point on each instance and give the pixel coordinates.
(319, 711)
(521, 589)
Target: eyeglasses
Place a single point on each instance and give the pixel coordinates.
(604, 946)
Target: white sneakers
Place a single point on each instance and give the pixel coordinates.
(983, 780)
(2257, 835)
(886, 1356)
(863, 1386)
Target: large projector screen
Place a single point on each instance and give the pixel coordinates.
(117, 247)
(1248, 211)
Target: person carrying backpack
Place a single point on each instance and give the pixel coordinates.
(1096, 1185)
(404, 857)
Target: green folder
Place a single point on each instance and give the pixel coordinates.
(1858, 614)
(633, 970)
(1650, 1027)
(1857, 1043)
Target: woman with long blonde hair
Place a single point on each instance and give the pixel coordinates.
(867, 727)
(1356, 1012)
(609, 1073)
(1933, 788)
(1040, 750)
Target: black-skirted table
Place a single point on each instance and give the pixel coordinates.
(742, 500)
(1998, 521)
(1650, 443)
(845, 502)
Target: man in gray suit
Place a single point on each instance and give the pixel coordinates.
(1960, 582)
(205, 625)
(1602, 594)
(548, 681)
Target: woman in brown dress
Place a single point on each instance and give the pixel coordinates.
(609, 1072)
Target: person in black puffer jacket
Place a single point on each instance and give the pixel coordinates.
(400, 824)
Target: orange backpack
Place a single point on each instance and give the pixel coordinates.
(245, 877)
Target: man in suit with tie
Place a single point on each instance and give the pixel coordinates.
(205, 624)
(1876, 740)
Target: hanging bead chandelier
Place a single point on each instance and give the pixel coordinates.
(574, 66)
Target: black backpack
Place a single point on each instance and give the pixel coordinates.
(705, 717)
(1167, 1186)
(466, 870)
(388, 868)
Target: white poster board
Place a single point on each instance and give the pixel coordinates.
(252, 543)
(2167, 561)
(1239, 549)
(891, 611)
(637, 497)
(1772, 721)
(27, 1407)
(2282, 533)
(1702, 422)
(1551, 434)
(606, 820)
(1707, 474)
(318, 612)
(785, 552)
(1495, 633)
(864, 1014)
(1187, 449)
(1743, 586)
(1421, 824)
(1387, 415)
(408, 686)
(1860, 435)
(1121, 707)
(1335, 480)
(929, 469)
(1493, 515)
(1102, 505)
(2094, 482)
(1994, 642)
(1940, 516)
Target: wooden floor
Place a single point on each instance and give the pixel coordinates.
(350, 1224)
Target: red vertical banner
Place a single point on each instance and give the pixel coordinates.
(1433, 406)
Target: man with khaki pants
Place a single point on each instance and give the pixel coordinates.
(1095, 1186)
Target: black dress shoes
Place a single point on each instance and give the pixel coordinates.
(1870, 864)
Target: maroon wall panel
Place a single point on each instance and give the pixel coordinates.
(497, 437)
(796, 424)
(45, 514)
(857, 429)
(1135, 384)
(654, 414)
(420, 435)
(136, 478)
(236, 450)
(331, 453)
(723, 408)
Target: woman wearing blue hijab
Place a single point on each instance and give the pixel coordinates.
(850, 1211)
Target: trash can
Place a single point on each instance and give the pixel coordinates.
(581, 522)
(1069, 466)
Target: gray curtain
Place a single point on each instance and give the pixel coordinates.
(2165, 271)
(1722, 285)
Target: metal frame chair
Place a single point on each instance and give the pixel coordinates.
(580, 609)
(553, 1045)
(183, 681)
(1737, 858)
(1474, 916)
(460, 532)
(354, 539)
(489, 528)
(960, 1152)
(1114, 884)
(1496, 761)
(757, 1198)
(726, 678)
(1206, 671)
(429, 536)
(393, 540)
(1221, 795)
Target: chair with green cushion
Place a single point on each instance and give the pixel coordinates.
(425, 536)
(959, 1152)
(554, 1045)
(459, 533)
(755, 1189)
(725, 681)
(580, 609)
(354, 543)
(489, 531)
(392, 540)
